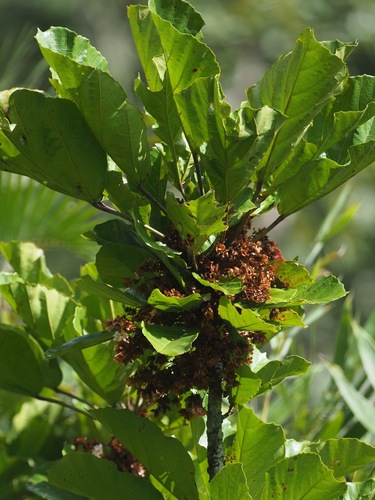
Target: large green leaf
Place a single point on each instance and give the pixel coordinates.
(185, 57)
(248, 385)
(180, 14)
(230, 483)
(115, 262)
(344, 456)
(258, 446)
(198, 219)
(117, 124)
(29, 263)
(298, 85)
(20, 369)
(79, 343)
(92, 477)
(170, 340)
(302, 476)
(276, 371)
(54, 146)
(325, 289)
(45, 311)
(164, 457)
(318, 177)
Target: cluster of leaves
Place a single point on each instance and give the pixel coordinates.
(179, 280)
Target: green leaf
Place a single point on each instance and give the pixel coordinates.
(78, 344)
(230, 483)
(180, 14)
(247, 319)
(197, 219)
(92, 477)
(175, 304)
(361, 408)
(45, 311)
(74, 47)
(366, 348)
(258, 446)
(117, 124)
(302, 476)
(356, 490)
(249, 384)
(344, 456)
(292, 273)
(163, 457)
(87, 284)
(185, 57)
(79, 162)
(319, 177)
(325, 289)
(236, 146)
(276, 371)
(298, 85)
(170, 340)
(95, 365)
(20, 369)
(50, 492)
(26, 259)
(230, 286)
(116, 261)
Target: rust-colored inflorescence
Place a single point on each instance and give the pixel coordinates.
(113, 451)
(164, 381)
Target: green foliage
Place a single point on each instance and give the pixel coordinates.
(183, 294)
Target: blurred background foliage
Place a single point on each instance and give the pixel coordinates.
(336, 233)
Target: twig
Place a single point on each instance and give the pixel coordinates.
(199, 173)
(152, 199)
(73, 396)
(215, 445)
(109, 210)
(65, 405)
(265, 231)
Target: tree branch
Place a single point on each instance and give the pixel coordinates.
(265, 231)
(215, 445)
(109, 210)
(152, 198)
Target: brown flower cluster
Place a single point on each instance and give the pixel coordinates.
(164, 381)
(113, 451)
(243, 259)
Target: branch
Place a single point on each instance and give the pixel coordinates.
(199, 173)
(215, 445)
(63, 404)
(73, 396)
(109, 210)
(265, 231)
(152, 198)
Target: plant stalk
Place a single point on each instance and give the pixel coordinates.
(215, 445)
